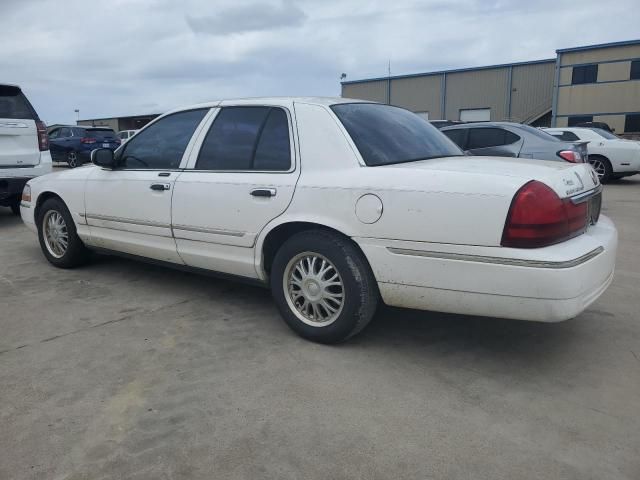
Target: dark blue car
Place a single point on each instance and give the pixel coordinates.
(74, 144)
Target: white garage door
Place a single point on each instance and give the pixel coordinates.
(424, 115)
(475, 115)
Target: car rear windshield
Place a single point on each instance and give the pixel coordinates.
(13, 104)
(385, 135)
(538, 133)
(100, 133)
(603, 133)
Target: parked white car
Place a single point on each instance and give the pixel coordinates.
(24, 145)
(335, 204)
(125, 135)
(611, 156)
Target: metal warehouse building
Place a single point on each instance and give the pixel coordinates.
(120, 123)
(592, 83)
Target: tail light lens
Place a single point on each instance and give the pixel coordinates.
(26, 194)
(570, 156)
(43, 138)
(87, 140)
(538, 218)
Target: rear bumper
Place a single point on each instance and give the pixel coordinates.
(548, 284)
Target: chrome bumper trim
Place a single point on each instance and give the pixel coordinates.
(514, 262)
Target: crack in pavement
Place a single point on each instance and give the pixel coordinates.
(97, 325)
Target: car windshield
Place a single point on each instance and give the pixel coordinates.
(385, 135)
(603, 133)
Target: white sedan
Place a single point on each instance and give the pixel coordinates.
(611, 156)
(336, 204)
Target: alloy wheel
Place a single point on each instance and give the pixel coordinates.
(56, 234)
(72, 159)
(598, 166)
(313, 289)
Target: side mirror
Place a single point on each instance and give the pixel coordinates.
(103, 157)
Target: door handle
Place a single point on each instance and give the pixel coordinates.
(160, 186)
(264, 192)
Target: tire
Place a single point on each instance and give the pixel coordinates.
(602, 166)
(73, 160)
(15, 207)
(294, 291)
(75, 253)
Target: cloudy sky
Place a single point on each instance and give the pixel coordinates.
(123, 57)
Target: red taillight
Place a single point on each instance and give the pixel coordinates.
(43, 138)
(87, 140)
(570, 156)
(538, 217)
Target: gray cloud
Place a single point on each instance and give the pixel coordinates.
(248, 18)
(142, 55)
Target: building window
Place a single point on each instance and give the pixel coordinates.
(584, 74)
(576, 119)
(634, 74)
(475, 115)
(632, 123)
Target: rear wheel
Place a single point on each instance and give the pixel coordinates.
(323, 286)
(602, 166)
(15, 206)
(57, 234)
(72, 159)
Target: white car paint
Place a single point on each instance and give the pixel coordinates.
(624, 155)
(435, 244)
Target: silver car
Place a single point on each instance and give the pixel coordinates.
(506, 139)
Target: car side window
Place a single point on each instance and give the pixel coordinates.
(64, 132)
(274, 149)
(77, 132)
(456, 136)
(161, 145)
(569, 136)
(53, 134)
(490, 137)
(247, 138)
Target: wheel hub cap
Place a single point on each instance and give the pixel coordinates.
(313, 289)
(56, 236)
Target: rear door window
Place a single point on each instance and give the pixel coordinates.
(247, 138)
(568, 136)
(64, 132)
(14, 105)
(490, 137)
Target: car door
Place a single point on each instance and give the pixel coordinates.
(128, 209)
(242, 176)
(59, 144)
(493, 141)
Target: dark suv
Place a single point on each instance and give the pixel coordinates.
(506, 139)
(73, 144)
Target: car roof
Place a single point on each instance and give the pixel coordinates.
(275, 101)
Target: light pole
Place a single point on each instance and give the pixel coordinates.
(77, 115)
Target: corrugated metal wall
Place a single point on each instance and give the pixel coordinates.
(374, 91)
(531, 84)
(531, 90)
(477, 89)
(418, 94)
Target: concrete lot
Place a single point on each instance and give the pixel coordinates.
(125, 370)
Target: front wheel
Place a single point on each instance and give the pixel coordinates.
(323, 286)
(57, 234)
